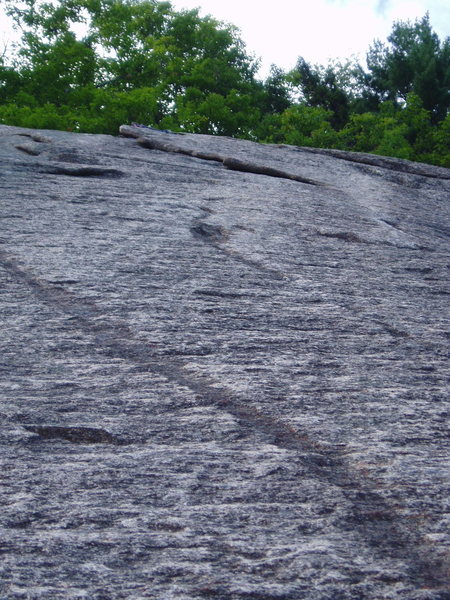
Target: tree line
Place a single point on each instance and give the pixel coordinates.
(92, 65)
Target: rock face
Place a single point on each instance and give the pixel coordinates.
(223, 371)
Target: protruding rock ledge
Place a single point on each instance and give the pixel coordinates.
(234, 164)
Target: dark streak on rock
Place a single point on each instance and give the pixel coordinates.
(247, 167)
(392, 164)
(379, 523)
(37, 137)
(131, 219)
(423, 270)
(216, 235)
(219, 294)
(153, 144)
(211, 233)
(80, 171)
(163, 146)
(29, 149)
(395, 332)
(393, 224)
(76, 435)
(347, 236)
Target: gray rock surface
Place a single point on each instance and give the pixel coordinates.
(224, 371)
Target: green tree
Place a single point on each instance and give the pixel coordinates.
(319, 87)
(303, 125)
(377, 133)
(277, 92)
(414, 61)
(196, 70)
(441, 147)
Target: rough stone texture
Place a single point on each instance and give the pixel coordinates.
(216, 383)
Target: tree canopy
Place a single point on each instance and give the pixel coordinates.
(414, 61)
(170, 68)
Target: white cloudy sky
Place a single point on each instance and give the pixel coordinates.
(279, 31)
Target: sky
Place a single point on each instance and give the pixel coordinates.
(280, 31)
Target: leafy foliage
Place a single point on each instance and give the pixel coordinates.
(321, 89)
(194, 70)
(414, 62)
